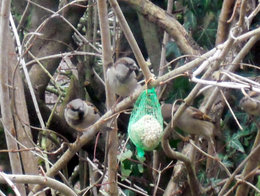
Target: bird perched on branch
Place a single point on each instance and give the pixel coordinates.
(192, 120)
(251, 103)
(80, 114)
(121, 77)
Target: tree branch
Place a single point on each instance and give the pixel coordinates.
(42, 180)
(166, 21)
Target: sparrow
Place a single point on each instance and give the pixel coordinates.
(194, 121)
(191, 121)
(80, 114)
(121, 77)
(251, 103)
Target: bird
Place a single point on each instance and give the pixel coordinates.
(251, 103)
(80, 114)
(194, 121)
(121, 77)
(191, 121)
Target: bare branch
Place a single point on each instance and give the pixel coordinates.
(42, 180)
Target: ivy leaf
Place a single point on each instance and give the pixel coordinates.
(172, 51)
(225, 161)
(125, 172)
(126, 155)
(190, 21)
(228, 163)
(129, 192)
(236, 144)
(206, 4)
(141, 168)
(126, 167)
(258, 185)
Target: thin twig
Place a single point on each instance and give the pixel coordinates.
(231, 110)
(43, 180)
(56, 14)
(241, 165)
(26, 73)
(10, 183)
(210, 156)
(63, 55)
(131, 40)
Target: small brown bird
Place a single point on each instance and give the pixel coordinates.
(80, 114)
(251, 103)
(122, 78)
(192, 120)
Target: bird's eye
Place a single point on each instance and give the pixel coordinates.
(74, 109)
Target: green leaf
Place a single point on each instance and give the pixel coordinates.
(125, 172)
(225, 161)
(141, 168)
(228, 163)
(206, 5)
(129, 192)
(190, 21)
(126, 155)
(172, 51)
(126, 166)
(258, 185)
(236, 144)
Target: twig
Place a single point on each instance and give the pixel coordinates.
(231, 178)
(231, 110)
(34, 152)
(232, 85)
(188, 66)
(210, 156)
(10, 183)
(248, 35)
(111, 137)
(131, 40)
(159, 177)
(55, 84)
(26, 73)
(207, 62)
(163, 51)
(243, 52)
(65, 54)
(1, 193)
(178, 58)
(43, 180)
(24, 15)
(234, 11)
(239, 78)
(254, 13)
(137, 189)
(242, 13)
(54, 14)
(98, 77)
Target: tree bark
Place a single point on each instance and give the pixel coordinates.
(20, 114)
(160, 17)
(56, 35)
(112, 141)
(5, 97)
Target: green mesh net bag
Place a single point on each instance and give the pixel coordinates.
(145, 126)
